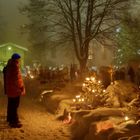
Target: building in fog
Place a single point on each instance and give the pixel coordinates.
(7, 49)
(99, 55)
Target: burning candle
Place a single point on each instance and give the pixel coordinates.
(74, 100)
(104, 90)
(126, 118)
(93, 90)
(92, 78)
(87, 78)
(77, 96)
(84, 84)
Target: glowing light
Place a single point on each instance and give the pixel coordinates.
(31, 76)
(99, 82)
(112, 83)
(9, 48)
(104, 90)
(68, 119)
(84, 84)
(126, 118)
(104, 125)
(118, 29)
(90, 89)
(77, 96)
(79, 100)
(119, 50)
(87, 78)
(93, 78)
(29, 72)
(50, 68)
(82, 99)
(74, 100)
(93, 90)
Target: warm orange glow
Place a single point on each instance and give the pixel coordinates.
(74, 100)
(87, 78)
(77, 96)
(104, 125)
(93, 78)
(84, 84)
(93, 90)
(126, 118)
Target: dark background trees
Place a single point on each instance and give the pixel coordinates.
(36, 28)
(74, 21)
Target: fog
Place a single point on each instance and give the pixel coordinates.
(135, 9)
(12, 19)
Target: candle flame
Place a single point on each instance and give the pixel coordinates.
(77, 96)
(74, 100)
(92, 78)
(84, 84)
(87, 78)
(126, 118)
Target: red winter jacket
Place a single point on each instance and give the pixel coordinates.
(13, 80)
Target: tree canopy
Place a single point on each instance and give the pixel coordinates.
(128, 40)
(80, 21)
(76, 21)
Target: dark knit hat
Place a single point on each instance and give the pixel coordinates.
(16, 56)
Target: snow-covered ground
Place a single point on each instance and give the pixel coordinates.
(37, 123)
(40, 121)
(105, 124)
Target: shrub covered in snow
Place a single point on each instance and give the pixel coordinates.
(103, 124)
(121, 93)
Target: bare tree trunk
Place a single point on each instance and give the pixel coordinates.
(82, 66)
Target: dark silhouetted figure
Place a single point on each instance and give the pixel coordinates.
(131, 74)
(72, 72)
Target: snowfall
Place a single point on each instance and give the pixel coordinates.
(46, 120)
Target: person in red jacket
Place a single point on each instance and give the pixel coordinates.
(14, 88)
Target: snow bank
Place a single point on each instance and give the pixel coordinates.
(121, 93)
(102, 124)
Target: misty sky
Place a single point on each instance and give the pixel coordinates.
(12, 19)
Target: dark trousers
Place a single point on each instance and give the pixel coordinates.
(13, 104)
